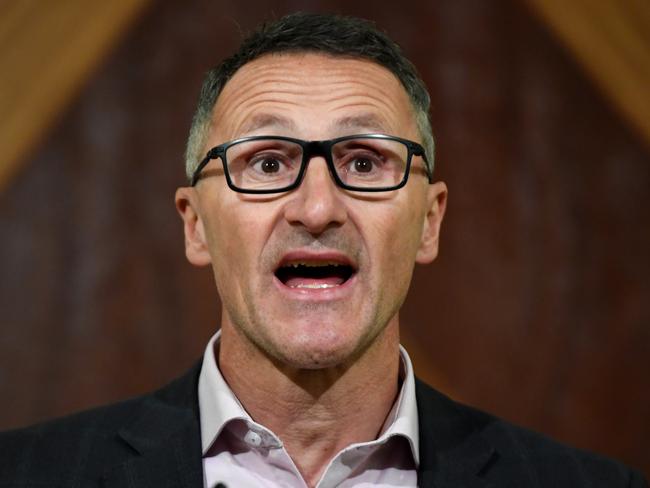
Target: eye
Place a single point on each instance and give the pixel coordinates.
(362, 165)
(269, 164)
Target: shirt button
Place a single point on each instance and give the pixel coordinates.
(253, 438)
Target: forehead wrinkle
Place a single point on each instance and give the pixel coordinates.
(250, 116)
(387, 104)
(380, 116)
(323, 82)
(248, 95)
(338, 89)
(245, 119)
(270, 87)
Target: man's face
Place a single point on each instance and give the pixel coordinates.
(311, 277)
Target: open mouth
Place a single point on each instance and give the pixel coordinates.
(314, 274)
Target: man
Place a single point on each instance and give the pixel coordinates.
(311, 196)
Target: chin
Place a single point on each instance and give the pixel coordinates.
(315, 360)
(314, 338)
(316, 353)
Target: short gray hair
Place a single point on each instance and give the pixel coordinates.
(321, 33)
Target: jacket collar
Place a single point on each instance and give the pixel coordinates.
(166, 438)
(453, 450)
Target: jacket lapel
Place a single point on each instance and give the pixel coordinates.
(453, 451)
(165, 439)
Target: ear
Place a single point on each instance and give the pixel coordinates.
(196, 247)
(436, 205)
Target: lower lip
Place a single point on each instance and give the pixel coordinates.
(317, 294)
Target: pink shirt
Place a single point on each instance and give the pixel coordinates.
(240, 453)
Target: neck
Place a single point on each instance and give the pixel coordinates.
(315, 412)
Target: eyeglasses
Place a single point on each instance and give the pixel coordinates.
(274, 164)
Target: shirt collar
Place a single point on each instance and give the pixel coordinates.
(218, 405)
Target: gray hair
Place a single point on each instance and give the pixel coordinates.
(321, 33)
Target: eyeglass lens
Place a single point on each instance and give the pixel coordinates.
(266, 164)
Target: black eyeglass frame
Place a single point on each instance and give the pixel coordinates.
(310, 149)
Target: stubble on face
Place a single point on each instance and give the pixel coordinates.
(315, 339)
(312, 344)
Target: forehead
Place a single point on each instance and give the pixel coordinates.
(313, 96)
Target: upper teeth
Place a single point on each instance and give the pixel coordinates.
(312, 264)
(313, 285)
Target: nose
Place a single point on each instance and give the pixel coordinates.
(316, 204)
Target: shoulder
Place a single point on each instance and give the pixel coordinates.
(516, 454)
(551, 463)
(64, 448)
(72, 450)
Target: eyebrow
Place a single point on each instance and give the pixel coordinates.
(263, 121)
(359, 123)
(369, 122)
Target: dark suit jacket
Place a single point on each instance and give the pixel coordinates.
(154, 441)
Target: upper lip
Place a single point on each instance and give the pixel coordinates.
(315, 258)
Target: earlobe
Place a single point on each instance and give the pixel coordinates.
(196, 248)
(436, 205)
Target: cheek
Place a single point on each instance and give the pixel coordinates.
(229, 238)
(389, 273)
(396, 237)
(239, 233)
